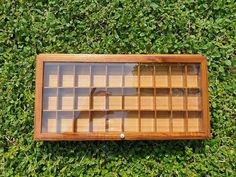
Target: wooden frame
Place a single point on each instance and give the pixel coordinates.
(138, 97)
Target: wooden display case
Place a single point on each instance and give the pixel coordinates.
(116, 97)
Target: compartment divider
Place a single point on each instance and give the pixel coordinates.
(123, 100)
(186, 98)
(170, 98)
(107, 99)
(90, 100)
(58, 84)
(154, 97)
(139, 100)
(74, 100)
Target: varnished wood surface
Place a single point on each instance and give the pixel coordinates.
(144, 125)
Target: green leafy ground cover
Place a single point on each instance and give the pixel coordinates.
(119, 26)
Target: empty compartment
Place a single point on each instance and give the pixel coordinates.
(66, 99)
(130, 75)
(194, 121)
(99, 98)
(161, 75)
(163, 121)
(49, 122)
(82, 98)
(99, 121)
(50, 75)
(131, 121)
(177, 76)
(147, 121)
(99, 75)
(193, 77)
(115, 75)
(162, 99)
(67, 75)
(50, 99)
(194, 99)
(146, 75)
(114, 98)
(147, 98)
(131, 98)
(178, 102)
(114, 119)
(66, 120)
(82, 74)
(83, 121)
(178, 121)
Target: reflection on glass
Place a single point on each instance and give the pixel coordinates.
(66, 75)
(50, 75)
(82, 75)
(147, 98)
(130, 75)
(49, 123)
(99, 75)
(194, 99)
(82, 98)
(178, 99)
(66, 99)
(114, 119)
(131, 99)
(131, 121)
(147, 121)
(193, 77)
(115, 75)
(97, 97)
(161, 75)
(146, 75)
(66, 121)
(177, 75)
(83, 122)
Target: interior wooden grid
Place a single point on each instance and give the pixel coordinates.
(134, 97)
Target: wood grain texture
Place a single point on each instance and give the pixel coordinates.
(162, 97)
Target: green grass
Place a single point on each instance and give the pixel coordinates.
(28, 28)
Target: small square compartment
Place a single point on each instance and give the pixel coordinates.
(114, 98)
(193, 77)
(49, 122)
(66, 120)
(115, 75)
(178, 121)
(99, 121)
(194, 99)
(162, 99)
(161, 75)
(131, 121)
(130, 75)
(194, 121)
(50, 75)
(131, 101)
(98, 98)
(178, 102)
(163, 121)
(66, 99)
(177, 76)
(50, 99)
(67, 75)
(99, 75)
(83, 122)
(82, 98)
(82, 74)
(114, 119)
(147, 98)
(146, 75)
(147, 121)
